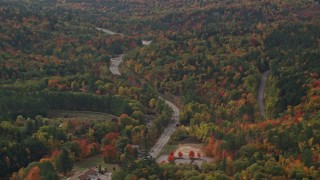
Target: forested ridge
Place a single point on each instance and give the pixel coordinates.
(206, 56)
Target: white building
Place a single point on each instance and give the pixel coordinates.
(145, 43)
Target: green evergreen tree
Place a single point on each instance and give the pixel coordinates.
(307, 157)
(64, 163)
(47, 171)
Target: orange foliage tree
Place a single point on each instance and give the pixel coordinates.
(110, 153)
(198, 154)
(84, 147)
(191, 154)
(33, 174)
(171, 158)
(112, 137)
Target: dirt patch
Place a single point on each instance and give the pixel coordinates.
(185, 149)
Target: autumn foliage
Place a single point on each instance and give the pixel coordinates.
(171, 158)
(191, 154)
(33, 174)
(112, 137)
(110, 153)
(207, 57)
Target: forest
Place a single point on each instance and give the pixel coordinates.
(206, 56)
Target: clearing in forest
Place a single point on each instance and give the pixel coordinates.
(185, 150)
(81, 115)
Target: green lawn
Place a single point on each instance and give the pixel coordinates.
(81, 115)
(167, 149)
(94, 161)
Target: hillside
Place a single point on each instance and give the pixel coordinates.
(207, 57)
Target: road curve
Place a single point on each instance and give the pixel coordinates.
(107, 31)
(261, 93)
(165, 136)
(115, 62)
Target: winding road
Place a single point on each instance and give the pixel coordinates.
(115, 62)
(165, 136)
(261, 93)
(107, 31)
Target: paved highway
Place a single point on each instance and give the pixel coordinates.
(106, 31)
(115, 62)
(165, 136)
(261, 93)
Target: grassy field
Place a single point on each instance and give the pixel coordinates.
(94, 161)
(81, 115)
(167, 149)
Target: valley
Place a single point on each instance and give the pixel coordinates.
(159, 89)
